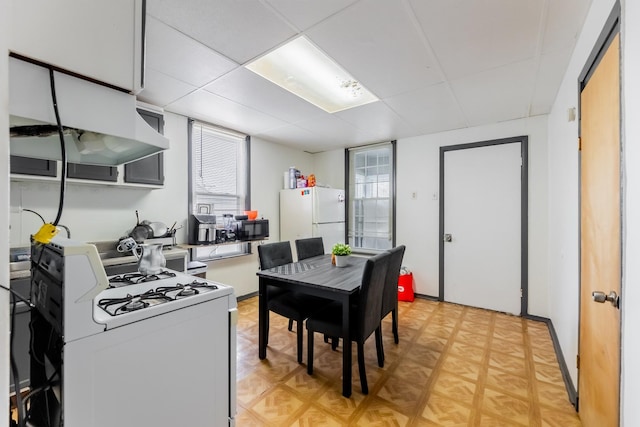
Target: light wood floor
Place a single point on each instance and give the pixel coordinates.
(454, 366)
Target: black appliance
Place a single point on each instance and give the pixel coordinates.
(202, 229)
(253, 229)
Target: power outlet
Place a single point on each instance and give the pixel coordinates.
(414, 195)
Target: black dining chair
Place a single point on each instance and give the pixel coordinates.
(366, 317)
(309, 247)
(390, 297)
(292, 305)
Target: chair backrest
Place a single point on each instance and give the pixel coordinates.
(274, 254)
(370, 296)
(391, 282)
(307, 248)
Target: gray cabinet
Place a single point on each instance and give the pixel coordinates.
(93, 172)
(30, 166)
(149, 170)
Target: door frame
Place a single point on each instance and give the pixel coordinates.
(524, 212)
(609, 31)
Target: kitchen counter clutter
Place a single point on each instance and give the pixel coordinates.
(114, 262)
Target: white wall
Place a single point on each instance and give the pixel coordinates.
(631, 275)
(269, 161)
(4, 212)
(563, 193)
(329, 168)
(418, 219)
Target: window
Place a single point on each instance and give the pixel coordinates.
(371, 209)
(219, 181)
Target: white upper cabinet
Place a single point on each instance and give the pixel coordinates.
(102, 40)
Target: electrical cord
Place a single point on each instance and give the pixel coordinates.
(17, 295)
(20, 404)
(14, 370)
(34, 212)
(63, 178)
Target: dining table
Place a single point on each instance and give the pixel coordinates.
(319, 277)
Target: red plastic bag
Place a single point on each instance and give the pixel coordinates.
(405, 287)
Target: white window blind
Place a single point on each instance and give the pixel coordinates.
(219, 182)
(218, 170)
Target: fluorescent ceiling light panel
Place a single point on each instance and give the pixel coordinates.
(302, 69)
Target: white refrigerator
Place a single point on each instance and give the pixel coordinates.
(312, 212)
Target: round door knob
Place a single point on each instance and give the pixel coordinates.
(601, 297)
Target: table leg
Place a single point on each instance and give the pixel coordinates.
(262, 318)
(346, 346)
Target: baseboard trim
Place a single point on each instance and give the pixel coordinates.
(247, 296)
(568, 383)
(427, 297)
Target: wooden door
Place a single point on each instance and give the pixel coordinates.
(600, 259)
(482, 201)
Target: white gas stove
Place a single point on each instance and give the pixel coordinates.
(150, 295)
(128, 343)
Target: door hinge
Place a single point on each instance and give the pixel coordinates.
(579, 144)
(521, 292)
(577, 361)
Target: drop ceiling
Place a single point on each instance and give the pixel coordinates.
(435, 65)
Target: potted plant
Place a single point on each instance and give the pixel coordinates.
(340, 253)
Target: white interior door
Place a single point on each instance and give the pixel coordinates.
(482, 203)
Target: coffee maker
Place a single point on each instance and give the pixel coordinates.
(202, 229)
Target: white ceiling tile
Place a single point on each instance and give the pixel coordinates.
(335, 129)
(240, 30)
(378, 120)
(430, 109)
(160, 89)
(469, 37)
(168, 50)
(496, 95)
(301, 138)
(249, 89)
(304, 14)
(564, 22)
(376, 41)
(220, 111)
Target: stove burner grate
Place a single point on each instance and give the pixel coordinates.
(136, 303)
(135, 278)
(115, 306)
(185, 290)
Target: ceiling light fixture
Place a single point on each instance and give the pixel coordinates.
(302, 69)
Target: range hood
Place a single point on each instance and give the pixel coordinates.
(101, 125)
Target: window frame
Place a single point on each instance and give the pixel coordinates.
(392, 194)
(216, 251)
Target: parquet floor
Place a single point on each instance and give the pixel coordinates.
(454, 366)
